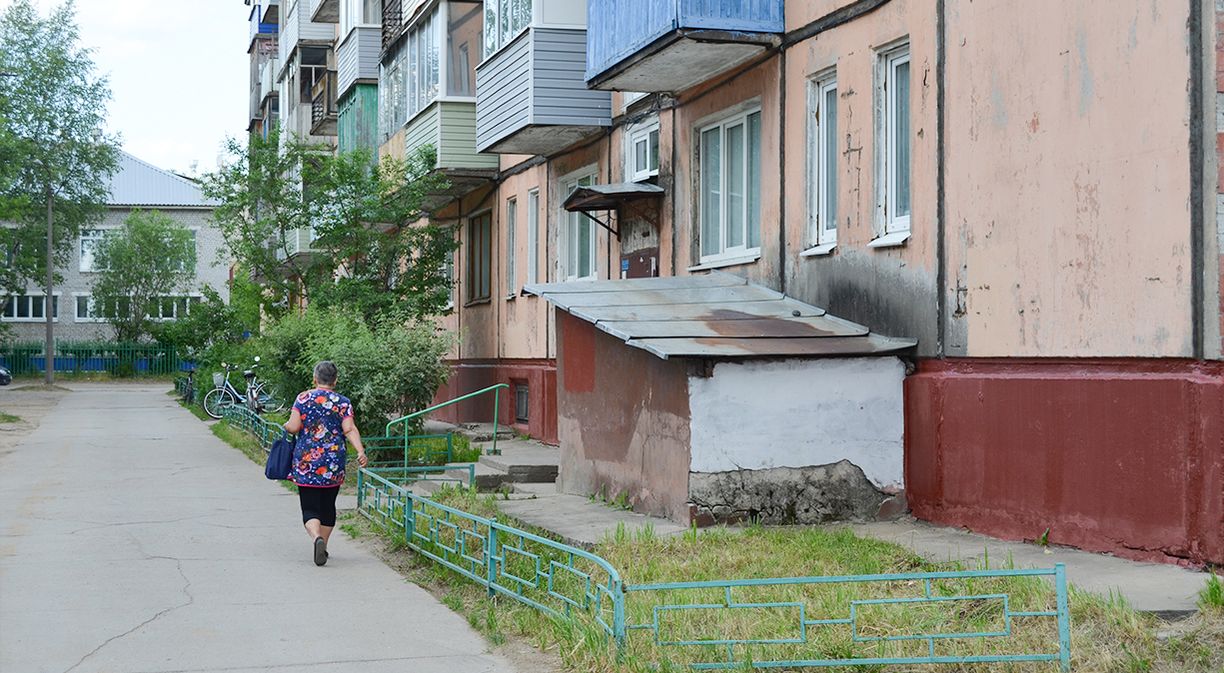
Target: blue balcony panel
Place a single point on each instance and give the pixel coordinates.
(671, 45)
(532, 97)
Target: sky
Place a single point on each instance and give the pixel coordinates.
(178, 70)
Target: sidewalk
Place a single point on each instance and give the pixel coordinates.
(1167, 590)
(136, 541)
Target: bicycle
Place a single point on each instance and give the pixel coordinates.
(261, 397)
(189, 387)
(258, 396)
(223, 395)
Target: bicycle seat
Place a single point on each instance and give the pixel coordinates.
(248, 374)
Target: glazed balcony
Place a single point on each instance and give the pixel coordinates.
(297, 242)
(671, 45)
(531, 96)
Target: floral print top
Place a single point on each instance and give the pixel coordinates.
(319, 454)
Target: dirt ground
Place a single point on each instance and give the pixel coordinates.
(30, 402)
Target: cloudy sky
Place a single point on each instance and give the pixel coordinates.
(178, 74)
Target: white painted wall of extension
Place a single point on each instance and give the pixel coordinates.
(800, 413)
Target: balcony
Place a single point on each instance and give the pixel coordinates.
(671, 45)
(297, 242)
(531, 97)
(297, 29)
(450, 128)
(267, 78)
(323, 108)
(325, 11)
(263, 19)
(357, 58)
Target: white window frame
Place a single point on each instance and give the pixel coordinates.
(821, 152)
(573, 220)
(741, 254)
(533, 235)
(498, 9)
(638, 135)
(91, 309)
(96, 235)
(891, 228)
(29, 299)
(448, 272)
(511, 247)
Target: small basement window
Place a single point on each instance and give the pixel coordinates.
(522, 402)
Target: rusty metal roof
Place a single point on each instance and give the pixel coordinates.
(717, 315)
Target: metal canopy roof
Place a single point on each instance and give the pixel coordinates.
(610, 197)
(713, 316)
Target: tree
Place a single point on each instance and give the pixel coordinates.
(60, 158)
(142, 264)
(367, 252)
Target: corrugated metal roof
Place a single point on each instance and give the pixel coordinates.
(717, 315)
(138, 183)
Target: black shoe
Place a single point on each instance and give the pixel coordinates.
(320, 551)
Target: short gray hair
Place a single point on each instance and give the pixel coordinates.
(325, 372)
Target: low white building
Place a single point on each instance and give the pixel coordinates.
(136, 185)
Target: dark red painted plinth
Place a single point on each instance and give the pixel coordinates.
(471, 375)
(1121, 456)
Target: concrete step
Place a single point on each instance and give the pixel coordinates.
(483, 432)
(525, 461)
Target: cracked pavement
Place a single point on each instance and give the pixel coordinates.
(135, 541)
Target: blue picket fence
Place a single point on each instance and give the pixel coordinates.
(118, 359)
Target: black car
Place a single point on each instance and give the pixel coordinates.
(6, 377)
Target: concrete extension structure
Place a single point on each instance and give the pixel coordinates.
(136, 185)
(974, 175)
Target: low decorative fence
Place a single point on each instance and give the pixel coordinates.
(116, 359)
(962, 617)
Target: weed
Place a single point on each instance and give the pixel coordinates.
(1044, 539)
(351, 530)
(1212, 595)
(9, 418)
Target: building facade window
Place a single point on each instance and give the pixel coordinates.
(522, 403)
(578, 262)
(479, 257)
(893, 135)
(29, 308)
(90, 239)
(643, 156)
(533, 236)
(822, 157)
(503, 21)
(354, 13)
(448, 272)
(161, 309)
(511, 245)
(729, 160)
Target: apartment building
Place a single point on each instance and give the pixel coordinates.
(979, 177)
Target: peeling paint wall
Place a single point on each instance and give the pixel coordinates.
(801, 413)
(1068, 211)
(893, 290)
(622, 421)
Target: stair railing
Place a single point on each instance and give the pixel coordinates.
(405, 420)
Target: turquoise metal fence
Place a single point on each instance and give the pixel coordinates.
(78, 357)
(406, 421)
(960, 617)
(244, 419)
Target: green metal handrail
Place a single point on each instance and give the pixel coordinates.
(495, 389)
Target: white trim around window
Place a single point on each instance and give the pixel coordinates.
(729, 189)
(579, 239)
(29, 307)
(511, 247)
(822, 165)
(642, 151)
(533, 235)
(894, 144)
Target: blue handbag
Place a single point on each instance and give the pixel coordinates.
(280, 458)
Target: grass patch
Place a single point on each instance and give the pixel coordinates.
(9, 418)
(246, 443)
(1212, 595)
(1107, 634)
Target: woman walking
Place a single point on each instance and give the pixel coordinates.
(322, 419)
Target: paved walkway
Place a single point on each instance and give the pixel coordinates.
(133, 540)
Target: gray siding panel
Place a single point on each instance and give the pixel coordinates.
(503, 92)
(537, 80)
(357, 58)
(560, 92)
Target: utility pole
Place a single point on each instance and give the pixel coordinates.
(48, 313)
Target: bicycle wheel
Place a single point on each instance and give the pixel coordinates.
(216, 402)
(269, 400)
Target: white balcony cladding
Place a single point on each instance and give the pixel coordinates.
(296, 27)
(532, 97)
(267, 78)
(357, 57)
(671, 45)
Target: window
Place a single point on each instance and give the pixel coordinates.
(644, 152)
(522, 402)
(190, 262)
(479, 257)
(463, 47)
(29, 308)
(580, 241)
(393, 98)
(355, 13)
(822, 155)
(894, 160)
(448, 272)
(504, 20)
(730, 191)
(160, 309)
(630, 97)
(90, 238)
(511, 252)
(533, 236)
